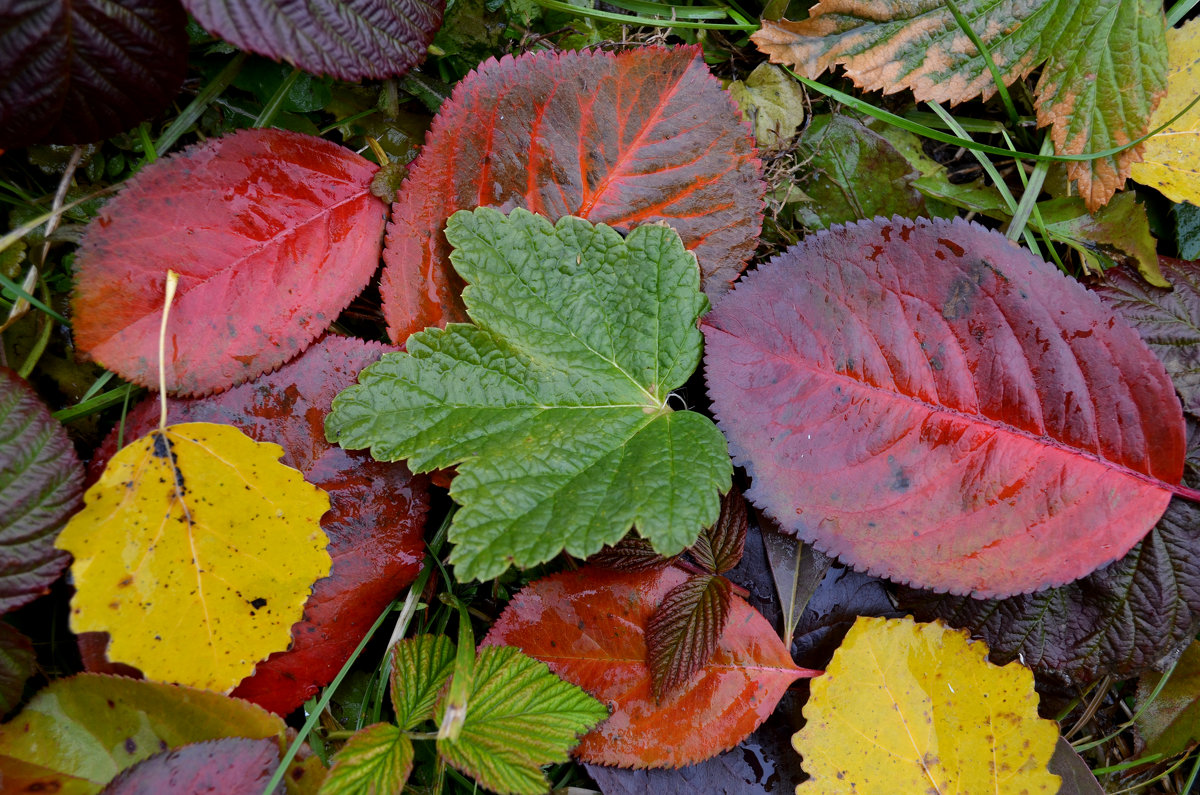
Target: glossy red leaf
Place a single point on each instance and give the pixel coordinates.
(624, 139)
(272, 233)
(230, 766)
(931, 403)
(589, 627)
(41, 481)
(375, 524)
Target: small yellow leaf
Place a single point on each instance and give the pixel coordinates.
(196, 551)
(908, 707)
(1171, 159)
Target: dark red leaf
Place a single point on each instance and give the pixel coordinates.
(229, 766)
(589, 627)
(624, 139)
(348, 39)
(41, 480)
(88, 69)
(16, 666)
(929, 402)
(375, 523)
(684, 630)
(272, 233)
(631, 553)
(719, 548)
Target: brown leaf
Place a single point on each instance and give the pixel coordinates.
(683, 631)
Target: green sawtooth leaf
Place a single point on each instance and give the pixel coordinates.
(377, 760)
(520, 716)
(553, 404)
(420, 667)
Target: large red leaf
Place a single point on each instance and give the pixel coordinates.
(928, 402)
(589, 627)
(272, 233)
(623, 139)
(374, 525)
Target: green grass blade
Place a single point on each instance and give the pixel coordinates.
(625, 19)
(195, 109)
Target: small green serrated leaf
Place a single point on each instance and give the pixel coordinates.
(377, 760)
(684, 631)
(553, 406)
(520, 717)
(420, 666)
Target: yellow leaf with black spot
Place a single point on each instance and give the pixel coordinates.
(196, 552)
(908, 707)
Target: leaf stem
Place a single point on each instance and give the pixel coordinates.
(172, 283)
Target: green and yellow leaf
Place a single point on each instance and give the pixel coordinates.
(1171, 159)
(377, 760)
(420, 666)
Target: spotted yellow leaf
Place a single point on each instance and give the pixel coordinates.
(1171, 159)
(196, 552)
(908, 707)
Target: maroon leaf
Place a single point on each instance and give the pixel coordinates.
(348, 39)
(375, 523)
(719, 548)
(624, 139)
(272, 233)
(40, 485)
(631, 553)
(931, 403)
(684, 630)
(16, 666)
(88, 69)
(230, 766)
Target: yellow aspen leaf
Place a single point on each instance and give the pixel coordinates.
(908, 707)
(196, 551)
(1171, 159)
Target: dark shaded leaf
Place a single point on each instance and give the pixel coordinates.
(84, 70)
(348, 39)
(915, 396)
(1187, 230)
(843, 595)
(625, 139)
(420, 666)
(1168, 722)
(16, 666)
(719, 548)
(631, 553)
(797, 570)
(40, 485)
(230, 766)
(1077, 778)
(684, 630)
(272, 233)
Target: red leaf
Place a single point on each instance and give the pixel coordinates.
(719, 548)
(272, 234)
(589, 627)
(623, 139)
(929, 402)
(683, 632)
(375, 523)
(230, 766)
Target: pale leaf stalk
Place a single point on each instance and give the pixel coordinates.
(172, 283)
(463, 681)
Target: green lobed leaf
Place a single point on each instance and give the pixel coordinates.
(554, 405)
(684, 630)
(420, 667)
(520, 717)
(377, 760)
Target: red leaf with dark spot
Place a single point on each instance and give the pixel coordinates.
(683, 632)
(375, 523)
(929, 402)
(230, 766)
(272, 234)
(624, 139)
(589, 627)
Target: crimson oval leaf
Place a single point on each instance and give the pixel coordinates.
(684, 630)
(348, 39)
(40, 485)
(374, 525)
(84, 70)
(272, 234)
(231, 766)
(929, 402)
(623, 139)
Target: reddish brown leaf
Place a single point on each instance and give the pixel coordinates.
(230, 766)
(272, 233)
(623, 139)
(684, 630)
(631, 553)
(589, 627)
(929, 402)
(375, 523)
(719, 548)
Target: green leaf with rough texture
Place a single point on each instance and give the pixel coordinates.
(16, 666)
(1170, 724)
(772, 102)
(1105, 63)
(1117, 233)
(520, 716)
(554, 404)
(684, 630)
(420, 666)
(377, 760)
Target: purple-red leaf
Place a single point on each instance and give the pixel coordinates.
(40, 485)
(929, 402)
(348, 39)
(272, 234)
(683, 631)
(374, 525)
(88, 69)
(230, 766)
(631, 553)
(719, 548)
(624, 139)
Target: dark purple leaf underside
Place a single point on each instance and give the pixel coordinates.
(685, 629)
(631, 553)
(230, 766)
(719, 548)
